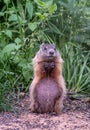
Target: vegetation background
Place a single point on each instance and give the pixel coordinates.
(24, 25)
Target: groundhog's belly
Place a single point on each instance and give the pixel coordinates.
(47, 94)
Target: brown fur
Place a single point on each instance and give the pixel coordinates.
(47, 89)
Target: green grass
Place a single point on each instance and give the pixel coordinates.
(76, 69)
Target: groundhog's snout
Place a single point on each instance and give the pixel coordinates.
(51, 52)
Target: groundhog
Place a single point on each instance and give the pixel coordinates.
(47, 89)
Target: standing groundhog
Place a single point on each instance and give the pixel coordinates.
(47, 89)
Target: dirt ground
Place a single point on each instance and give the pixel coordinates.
(75, 116)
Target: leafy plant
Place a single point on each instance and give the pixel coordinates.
(71, 22)
(22, 25)
(76, 69)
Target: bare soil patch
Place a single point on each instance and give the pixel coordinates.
(75, 116)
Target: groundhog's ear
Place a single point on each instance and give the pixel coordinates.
(42, 45)
(54, 44)
(61, 60)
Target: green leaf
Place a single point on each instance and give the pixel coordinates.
(8, 33)
(52, 8)
(13, 17)
(29, 7)
(16, 18)
(17, 40)
(9, 48)
(33, 25)
(6, 1)
(49, 3)
(2, 13)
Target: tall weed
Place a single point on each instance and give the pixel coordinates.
(76, 69)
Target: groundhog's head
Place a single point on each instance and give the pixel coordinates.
(48, 51)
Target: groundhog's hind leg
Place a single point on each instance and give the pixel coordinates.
(58, 106)
(34, 104)
(34, 107)
(59, 102)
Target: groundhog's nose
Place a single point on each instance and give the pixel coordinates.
(51, 52)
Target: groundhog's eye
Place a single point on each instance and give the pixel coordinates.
(54, 48)
(45, 48)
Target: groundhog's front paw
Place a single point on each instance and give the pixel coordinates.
(45, 66)
(52, 65)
